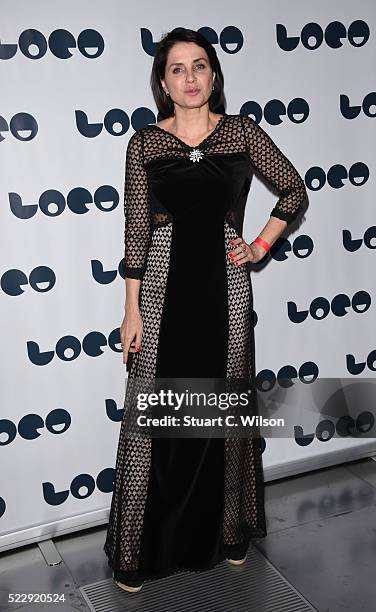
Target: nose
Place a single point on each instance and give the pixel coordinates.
(190, 76)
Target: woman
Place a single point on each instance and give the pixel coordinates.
(188, 503)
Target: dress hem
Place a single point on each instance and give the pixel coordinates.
(132, 576)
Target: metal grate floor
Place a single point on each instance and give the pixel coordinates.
(255, 585)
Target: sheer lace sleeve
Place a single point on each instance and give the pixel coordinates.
(277, 170)
(137, 230)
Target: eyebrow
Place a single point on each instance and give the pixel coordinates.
(181, 63)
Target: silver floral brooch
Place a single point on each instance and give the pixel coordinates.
(196, 155)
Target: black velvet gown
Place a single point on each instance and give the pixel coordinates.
(188, 503)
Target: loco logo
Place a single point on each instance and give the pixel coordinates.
(22, 126)
(230, 39)
(81, 487)
(117, 122)
(68, 348)
(52, 202)
(41, 279)
(320, 307)
(343, 426)
(336, 176)
(350, 111)
(354, 244)
(301, 246)
(357, 367)
(266, 379)
(297, 111)
(312, 35)
(34, 45)
(57, 422)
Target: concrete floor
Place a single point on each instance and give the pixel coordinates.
(321, 537)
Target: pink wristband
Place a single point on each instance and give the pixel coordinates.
(265, 245)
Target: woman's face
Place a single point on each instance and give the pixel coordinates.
(188, 75)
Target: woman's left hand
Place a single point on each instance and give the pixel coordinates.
(242, 252)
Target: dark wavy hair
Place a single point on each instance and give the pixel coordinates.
(163, 102)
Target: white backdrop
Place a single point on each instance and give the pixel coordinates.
(75, 85)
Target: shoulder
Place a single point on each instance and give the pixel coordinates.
(244, 120)
(251, 129)
(136, 136)
(243, 124)
(135, 141)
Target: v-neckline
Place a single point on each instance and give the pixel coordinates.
(185, 144)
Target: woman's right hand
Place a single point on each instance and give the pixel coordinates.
(131, 332)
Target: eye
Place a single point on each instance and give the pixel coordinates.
(174, 70)
(200, 65)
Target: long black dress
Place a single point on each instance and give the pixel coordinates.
(188, 503)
